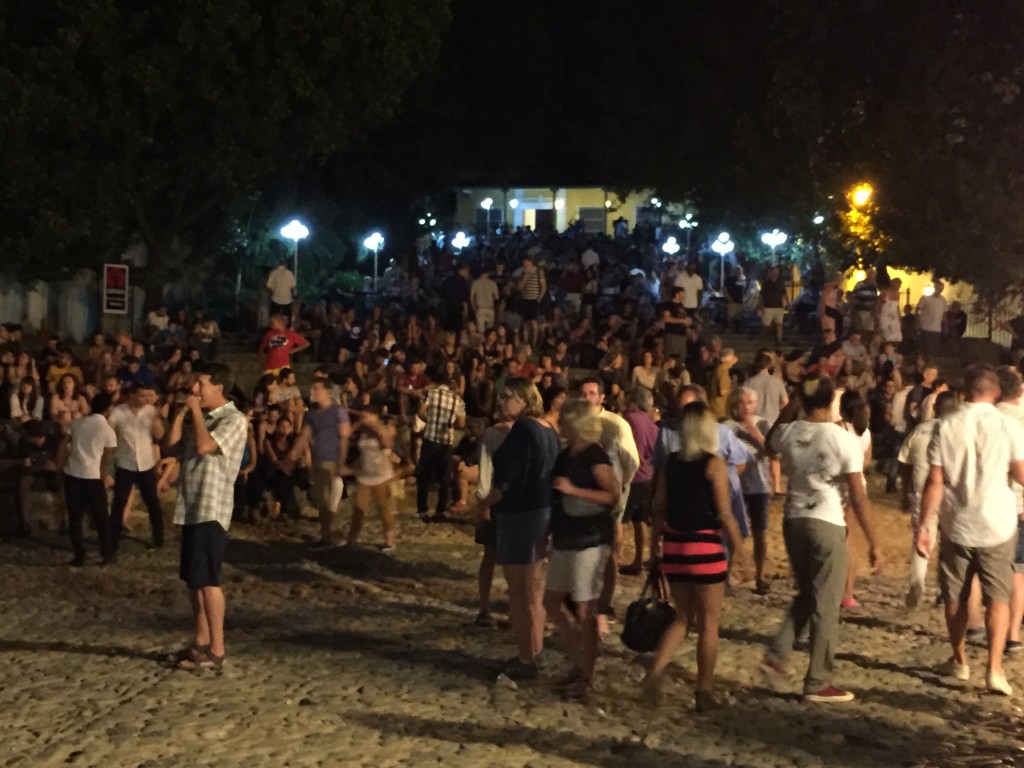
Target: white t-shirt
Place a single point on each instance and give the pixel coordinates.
(589, 259)
(153, 320)
(975, 447)
(816, 457)
(771, 394)
(618, 441)
(281, 283)
(17, 412)
(134, 437)
(90, 436)
(899, 406)
(1015, 412)
(914, 453)
(483, 293)
(691, 285)
(930, 310)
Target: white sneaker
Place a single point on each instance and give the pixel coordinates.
(996, 683)
(949, 668)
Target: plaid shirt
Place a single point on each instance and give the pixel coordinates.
(443, 407)
(206, 486)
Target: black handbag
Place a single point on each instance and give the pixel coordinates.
(649, 616)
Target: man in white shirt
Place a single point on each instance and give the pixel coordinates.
(821, 460)
(483, 298)
(1011, 403)
(770, 389)
(138, 426)
(617, 440)
(85, 460)
(913, 460)
(930, 312)
(589, 258)
(281, 284)
(971, 454)
(692, 284)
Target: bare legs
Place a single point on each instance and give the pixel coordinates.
(525, 609)
(704, 602)
(485, 577)
(208, 609)
(579, 630)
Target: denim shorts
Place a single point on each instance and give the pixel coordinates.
(520, 536)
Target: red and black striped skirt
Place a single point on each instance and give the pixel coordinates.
(697, 557)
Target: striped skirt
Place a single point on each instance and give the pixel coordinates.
(697, 557)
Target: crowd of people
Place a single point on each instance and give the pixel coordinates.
(574, 395)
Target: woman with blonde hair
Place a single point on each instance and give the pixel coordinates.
(520, 503)
(691, 511)
(582, 536)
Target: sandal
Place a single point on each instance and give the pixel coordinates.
(484, 619)
(189, 652)
(203, 660)
(762, 587)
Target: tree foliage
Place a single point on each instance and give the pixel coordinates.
(121, 117)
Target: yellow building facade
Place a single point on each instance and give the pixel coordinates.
(543, 208)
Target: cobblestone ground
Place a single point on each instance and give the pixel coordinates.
(356, 658)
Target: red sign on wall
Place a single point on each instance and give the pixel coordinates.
(115, 289)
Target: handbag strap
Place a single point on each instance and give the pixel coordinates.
(656, 584)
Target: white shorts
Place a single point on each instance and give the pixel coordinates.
(772, 316)
(580, 573)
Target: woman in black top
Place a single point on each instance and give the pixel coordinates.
(582, 536)
(520, 503)
(691, 510)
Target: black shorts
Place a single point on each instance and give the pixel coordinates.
(528, 309)
(757, 510)
(202, 553)
(638, 503)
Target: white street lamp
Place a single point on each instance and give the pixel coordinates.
(486, 203)
(723, 245)
(671, 247)
(689, 224)
(460, 240)
(295, 230)
(819, 219)
(774, 239)
(513, 203)
(374, 243)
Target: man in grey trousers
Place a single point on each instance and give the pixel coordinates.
(821, 460)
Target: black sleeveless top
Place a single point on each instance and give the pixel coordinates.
(690, 497)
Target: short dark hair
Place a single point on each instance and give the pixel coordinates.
(101, 402)
(220, 374)
(763, 360)
(593, 380)
(817, 392)
(548, 396)
(1010, 382)
(980, 379)
(284, 373)
(945, 404)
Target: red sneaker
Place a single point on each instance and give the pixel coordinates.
(829, 695)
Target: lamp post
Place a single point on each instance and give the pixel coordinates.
(295, 230)
(689, 224)
(723, 246)
(374, 243)
(460, 240)
(774, 239)
(671, 246)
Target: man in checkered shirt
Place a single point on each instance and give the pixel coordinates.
(212, 443)
(443, 411)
